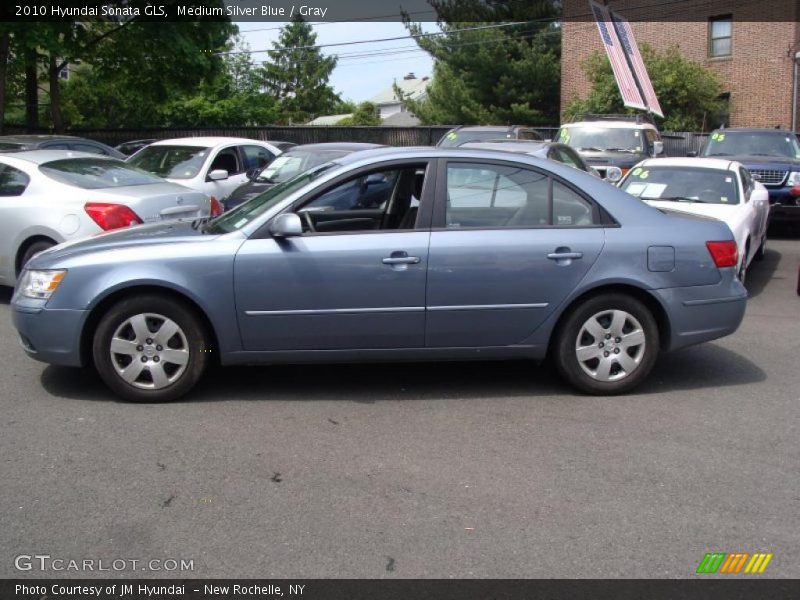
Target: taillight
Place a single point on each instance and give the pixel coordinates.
(216, 207)
(111, 216)
(725, 254)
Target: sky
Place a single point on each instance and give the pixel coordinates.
(358, 76)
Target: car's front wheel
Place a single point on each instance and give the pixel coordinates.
(607, 345)
(150, 348)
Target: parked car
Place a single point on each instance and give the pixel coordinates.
(612, 143)
(481, 133)
(292, 162)
(215, 166)
(506, 256)
(552, 150)
(51, 196)
(17, 143)
(773, 158)
(710, 187)
(133, 146)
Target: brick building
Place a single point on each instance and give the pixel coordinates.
(750, 44)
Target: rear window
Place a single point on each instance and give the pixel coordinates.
(8, 147)
(457, 138)
(173, 162)
(96, 173)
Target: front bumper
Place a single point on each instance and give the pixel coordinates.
(703, 313)
(783, 206)
(49, 335)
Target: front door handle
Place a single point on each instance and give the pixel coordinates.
(564, 255)
(401, 260)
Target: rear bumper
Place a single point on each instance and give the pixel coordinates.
(703, 313)
(48, 335)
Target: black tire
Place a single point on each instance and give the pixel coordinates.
(600, 309)
(34, 249)
(762, 249)
(742, 272)
(178, 375)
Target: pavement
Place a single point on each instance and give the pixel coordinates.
(415, 470)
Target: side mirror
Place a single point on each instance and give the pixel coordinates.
(613, 174)
(375, 179)
(217, 175)
(658, 148)
(691, 153)
(253, 173)
(286, 225)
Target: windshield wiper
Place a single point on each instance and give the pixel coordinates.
(628, 150)
(676, 199)
(590, 149)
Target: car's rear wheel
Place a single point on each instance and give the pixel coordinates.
(34, 249)
(607, 345)
(150, 349)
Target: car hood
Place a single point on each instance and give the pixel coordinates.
(765, 162)
(246, 191)
(171, 232)
(623, 160)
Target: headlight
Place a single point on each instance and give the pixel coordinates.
(794, 178)
(613, 174)
(40, 284)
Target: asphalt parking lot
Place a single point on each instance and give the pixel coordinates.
(435, 470)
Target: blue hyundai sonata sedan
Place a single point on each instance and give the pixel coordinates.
(468, 254)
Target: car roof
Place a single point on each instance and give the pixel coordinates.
(428, 152)
(521, 146)
(39, 157)
(698, 163)
(344, 146)
(206, 141)
(34, 138)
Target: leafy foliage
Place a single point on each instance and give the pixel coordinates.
(365, 113)
(495, 75)
(689, 93)
(297, 74)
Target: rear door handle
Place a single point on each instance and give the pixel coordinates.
(564, 255)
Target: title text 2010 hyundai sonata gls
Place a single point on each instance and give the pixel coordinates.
(469, 254)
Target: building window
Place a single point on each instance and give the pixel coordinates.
(720, 35)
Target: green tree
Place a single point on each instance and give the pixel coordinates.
(492, 75)
(297, 74)
(689, 93)
(365, 113)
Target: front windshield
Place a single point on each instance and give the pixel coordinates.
(172, 162)
(255, 207)
(590, 138)
(756, 143)
(682, 184)
(294, 162)
(96, 173)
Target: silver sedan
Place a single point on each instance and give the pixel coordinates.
(51, 196)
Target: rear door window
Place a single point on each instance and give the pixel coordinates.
(13, 182)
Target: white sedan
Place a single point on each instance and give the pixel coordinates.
(709, 187)
(51, 196)
(213, 165)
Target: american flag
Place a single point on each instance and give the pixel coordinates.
(625, 35)
(616, 55)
